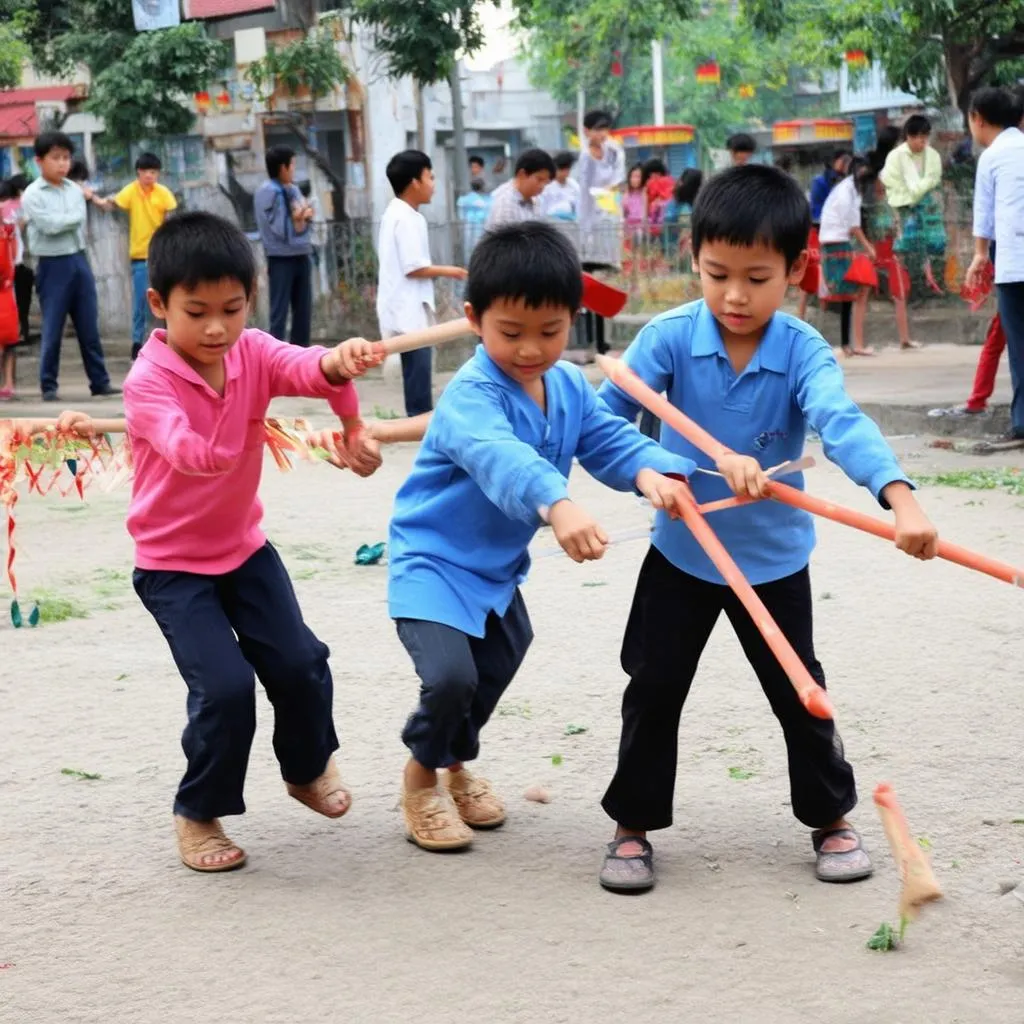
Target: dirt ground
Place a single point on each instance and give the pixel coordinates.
(346, 922)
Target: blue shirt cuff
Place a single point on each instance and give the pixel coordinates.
(882, 478)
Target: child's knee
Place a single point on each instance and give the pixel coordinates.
(231, 697)
(449, 686)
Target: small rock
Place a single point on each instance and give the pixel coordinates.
(1005, 887)
(989, 821)
(538, 794)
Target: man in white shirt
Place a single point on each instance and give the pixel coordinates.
(999, 217)
(405, 284)
(519, 199)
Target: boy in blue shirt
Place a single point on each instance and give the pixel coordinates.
(492, 468)
(753, 377)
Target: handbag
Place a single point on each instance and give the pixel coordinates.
(861, 271)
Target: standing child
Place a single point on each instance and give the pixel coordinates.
(147, 204)
(561, 198)
(491, 469)
(405, 286)
(754, 378)
(634, 204)
(8, 308)
(56, 213)
(11, 212)
(195, 402)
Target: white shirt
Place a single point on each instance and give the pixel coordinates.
(999, 203)
(608, 172)
(402, 247)
(841, 212)
(561, 199)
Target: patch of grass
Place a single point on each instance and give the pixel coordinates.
(75, 773)
(1017, 821)
(595, 583)
(69, 507)
(556, 759)
(380, 413)
(307, 552)
(53, 608)
(826, 596)
(308, 573)
(575, 730)
(924, 842)
(740, 774)
(955, 865)
(121, 677)
(887, 938)
(1007, 480)
(513, 710)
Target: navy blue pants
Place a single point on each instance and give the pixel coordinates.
(291, 288)
(1011, 313)
(462, 679)
(224, 631)
(417, 373)
(66, 287)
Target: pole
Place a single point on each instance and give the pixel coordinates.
(459, 132)
(659, 82)
(581, 110)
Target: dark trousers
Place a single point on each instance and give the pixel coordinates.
(66, 287)
(669, 625)
(224, 631)
(291, 287)
(417, 374)
(462, 679)
(24, 281)
(1011, 313)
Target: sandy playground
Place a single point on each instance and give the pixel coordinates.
(346, 922)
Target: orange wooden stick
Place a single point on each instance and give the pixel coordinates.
(918, 882)
(812, 696)
(880, 528)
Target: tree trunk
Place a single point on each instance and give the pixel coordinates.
(459, 132)
(421, 117)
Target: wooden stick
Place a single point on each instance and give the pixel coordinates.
(439, 334)
(811, 694)
(918, 884)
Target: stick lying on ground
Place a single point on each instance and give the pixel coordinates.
(918, 882)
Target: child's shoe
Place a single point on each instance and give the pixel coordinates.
(432, 821)
(203, 846)
(478, 805)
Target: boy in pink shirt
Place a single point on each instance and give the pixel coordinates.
(195, 401)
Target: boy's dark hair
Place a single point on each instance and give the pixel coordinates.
(741, 142)
(406, 167)
(750, 204)
(78, 171)
(278, 157)
(997, 107)
(687, 187)
(531, 261)
(476, 160)
(564, 160)
(48, 141)
(917, 124)
(535, 160)
(653, 166)
(148, 162)
(197, 247)
(595, 119)
(838, 154)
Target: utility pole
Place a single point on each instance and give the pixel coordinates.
(458, 132)
(659, 82)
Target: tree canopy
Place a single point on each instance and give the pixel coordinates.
(940, 50)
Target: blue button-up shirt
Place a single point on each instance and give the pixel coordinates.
(491, 458)
(272, 206)
(999, 203)
(793, 379)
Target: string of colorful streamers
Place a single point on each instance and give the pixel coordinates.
(51, 460)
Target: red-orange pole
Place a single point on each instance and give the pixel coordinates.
(812, 696)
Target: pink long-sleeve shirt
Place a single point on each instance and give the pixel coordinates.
(198, 456)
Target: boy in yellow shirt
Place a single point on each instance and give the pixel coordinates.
(147, 204)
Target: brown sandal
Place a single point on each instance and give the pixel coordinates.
(318, 795)
(477, 803)
(432, 820)
(199, 840)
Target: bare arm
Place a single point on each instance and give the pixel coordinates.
(438, 270)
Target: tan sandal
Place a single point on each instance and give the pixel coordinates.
(319, 795)
(477, 803)
(432, 820)
(200, 840)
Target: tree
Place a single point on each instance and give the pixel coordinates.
(422, 40)
(310, 66)
(141, 81)
(13, 54)
(940, 50)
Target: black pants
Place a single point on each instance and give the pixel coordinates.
(462, 679)
(417, 374)
(24, 281)
(845, 316)
(223, 631)
(1011, 312)
(669, 625)
(291, 287)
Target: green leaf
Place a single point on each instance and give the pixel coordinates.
(77, 774)
(741, 774)
(885, 938)
(556, 759)
(575, 730)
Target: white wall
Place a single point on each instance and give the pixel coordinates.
(870, 91)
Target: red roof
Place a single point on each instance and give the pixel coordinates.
(225, 8)
(18, 120)
(48, 93)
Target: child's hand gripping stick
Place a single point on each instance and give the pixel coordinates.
(918, 884)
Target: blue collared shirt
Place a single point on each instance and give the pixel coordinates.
(999, 203)
(792, 380)
(491, 458)
(272, 206)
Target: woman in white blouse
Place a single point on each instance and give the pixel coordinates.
(840, 230)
